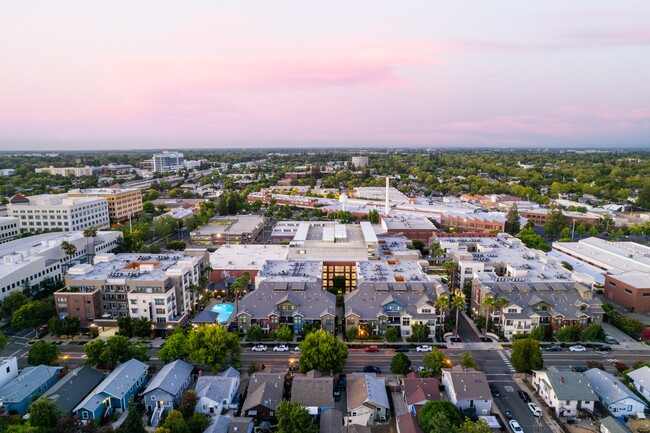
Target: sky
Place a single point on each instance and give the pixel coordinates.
(83, 74)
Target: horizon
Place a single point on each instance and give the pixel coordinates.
(369, 75)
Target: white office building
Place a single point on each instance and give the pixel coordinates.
(9, 229)
(168, 162)
(59, 211)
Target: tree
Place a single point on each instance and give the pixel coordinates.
(439, 416)
(210, 344)
(285, 333)
(175, 348)
(450, 269)
(254, 333)
(69, 249)
(513, 225)
(176, 245)
(593, 231)
(392, 334)
(500, 303)
(526, 355)
(467, 360)
(469, 426)
(175, 422)
(565, 235)
(441, 305)
(12, 302)
(400, 364)
(457, 303)
(541, 333)
(435, 360)
(555, 222)
(489, 303)
(133, 421)
(418, 245)
(142, 327)
(593, 332)
(293, 418)
(43, 414)
(43, 352)
(33, 314)
(581, 230)
(188, 403)
(419, 333)
(90, 232)
(373, 216)
(323, 352)
(352, 333)
(125, 326)
(116, 349)
(93, 351)
(569, 333)
(3, 341)
(533, 240)
(197, 423)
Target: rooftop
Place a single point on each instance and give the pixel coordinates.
(390, 271)
(74, 387)
(621, 256)
(56, 200)
(569, 385)
(291, 270)
(638, 279)
(238, 257)
(27, 382)
(407, 223)
(234, 225)
(171, 377)
(608, 388)
(468, 384)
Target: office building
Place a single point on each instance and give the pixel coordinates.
(168, 162)
(9, 229)
(71, 171)
(122, 203)
(360, 161)
(239, 229)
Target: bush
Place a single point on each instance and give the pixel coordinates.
(620, 366)
(569, 333)
(393, 334)
(595, 364)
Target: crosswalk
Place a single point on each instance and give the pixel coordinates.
(504, 355)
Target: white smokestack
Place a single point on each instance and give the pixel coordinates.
(387, 201)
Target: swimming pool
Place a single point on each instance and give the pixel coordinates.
(224, 311)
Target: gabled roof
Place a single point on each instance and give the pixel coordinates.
(408, 423)
(217, 388)
(468, 384)
(171, 377)
(331, 421)
(264, 389)
(421, 389)
(641, 376)
(28, 381)
(240, 424)
(220, 424)
(613, 425)
(311, 302)
(367, 390)
(74, 387)
(568, 385)
(608, 388)
(313, 391)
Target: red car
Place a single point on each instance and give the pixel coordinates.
(372, 349)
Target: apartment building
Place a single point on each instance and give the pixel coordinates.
(240, 229)
(59, 212)
(157, 287)
(122, 203)
(71, 171)
(476, 222)
(9, 229)
(168, 162)
(35, 259)
(538, 216)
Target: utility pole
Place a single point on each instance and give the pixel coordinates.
(574, 229)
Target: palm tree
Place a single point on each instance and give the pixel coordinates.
(490, 304)
(450, 268)
(457, 303)
(500, 304)
(441, 304)
(69, 250)
(90, 232)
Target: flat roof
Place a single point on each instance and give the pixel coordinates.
(246, 256)
(292, 270)
(638, 279)
(406, 223)
(607, 255)
(236, 224)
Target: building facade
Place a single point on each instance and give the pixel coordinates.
(168, 162)
(122, 203)
(629, 289)
(9, 229)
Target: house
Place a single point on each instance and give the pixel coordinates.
(163, 393)
(331, 422)
(367, 397)
(565, 392)
(408, 423)
(612, 425)
(219, 424)
(640, 378)
(68, 392)
(314, 392)
(114, 393)
(241, 424)
(17, 394)
(468, 389)
(8, 369)
(613, 394)
(215, 393)
(265, 392)
(418, 390)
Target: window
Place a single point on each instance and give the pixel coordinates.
(628, 291)
(153, 397)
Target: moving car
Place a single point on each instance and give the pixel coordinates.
(495, 390)
(514, 425)
(534, 409)
(604, 348)
(343, 381)
(577, 348)
(554, 348)
(371, 369)
(281, 348)
(296, 349)
(424, 348)
(579, 368)
(524, 396)
(372, 349)
(259, 348)
(402, 349)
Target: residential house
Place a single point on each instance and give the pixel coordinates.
(565, 392)
(216, 392)
(68, 392)
(115, 392)
(612, 425)
(8, 369)
(17, 394)
(468, 389)
(264, 393)
(331, 422)
(367, 398)
(219, 424)
(408, 423)
(241, 424)
(313, 391)
(417, 391)
(640, 378)
(613, 394)
(163, 393)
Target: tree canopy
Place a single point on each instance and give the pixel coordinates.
(293, 418)
(323, 352)
(526, 355)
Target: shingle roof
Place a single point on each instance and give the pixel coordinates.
(613, 425)
(641, 376)
(468, 384)
(264, 389)
(27, 382)
(313, 391)
(608, 388)
(331, 421)
(570, 386)
(74, 387)
(408, 424)
(220, 424)
(421, 389)
(312, 302)
(368, 303)
(239, 424)
(171, 377)
(367, 390)
(216, 388)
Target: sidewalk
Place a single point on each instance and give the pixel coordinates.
(624, 341)
(550, 422)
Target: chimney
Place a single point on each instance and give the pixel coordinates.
(561, 379)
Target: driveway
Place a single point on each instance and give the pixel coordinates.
(624, 340)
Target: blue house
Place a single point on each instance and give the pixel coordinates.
(114, 393)
(16, 395)
(613, 394)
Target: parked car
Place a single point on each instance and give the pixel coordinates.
(296, 349)
(402, 349)
(578, 348)
(281, 348)
(372, 349)
(604, 348)
(495, 390)
(534, 409)
(514, 425)
(343, 381)
(524, 396)
(554, 348)
(508, 414)
(423, 348)
(259, 348)
(579, 368)
(372, 369)
(337, 394)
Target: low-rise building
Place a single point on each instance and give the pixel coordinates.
(564, 392)
(123, 203)
(68, 392)
(610, 424)
(163, 393)
(9, 229)
(613, 394)
(408, 423)
(230, 261)
(264, 394)
(239, 229)
(640, 378)
(70, 171)
(629, 289)
(8, 369)
(18, 393)
(216, 393)
(468, 389)
(367, 398)
(417, 391)
(313, 391)
(419, 228)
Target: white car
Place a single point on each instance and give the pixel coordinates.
(514, 425)
(577, 348)
(534, 409)
(281, 348)
(296, 349)
(259, 348)
(423, 349)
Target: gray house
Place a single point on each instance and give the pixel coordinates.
(216, 392)
(468, 389)
(613, 394)
(68, 392)
(164, 391)
(313, 391)
(367, 399)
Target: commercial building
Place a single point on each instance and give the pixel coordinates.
(475, 222)
(607, 256)
(360, 161)
(231, 261)
(168, 162)
(419, 228)
(37, 259)
(71, 171)
(538, 216)
(59, 212)
(122, 203)
(629, 289)
(9, 229)
(156, 287)
(240, 229)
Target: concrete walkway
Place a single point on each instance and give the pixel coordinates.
(624, 341)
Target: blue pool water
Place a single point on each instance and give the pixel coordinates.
(224, 311)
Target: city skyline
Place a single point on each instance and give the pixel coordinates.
(156, 75)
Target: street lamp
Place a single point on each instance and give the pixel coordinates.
(65, 360)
